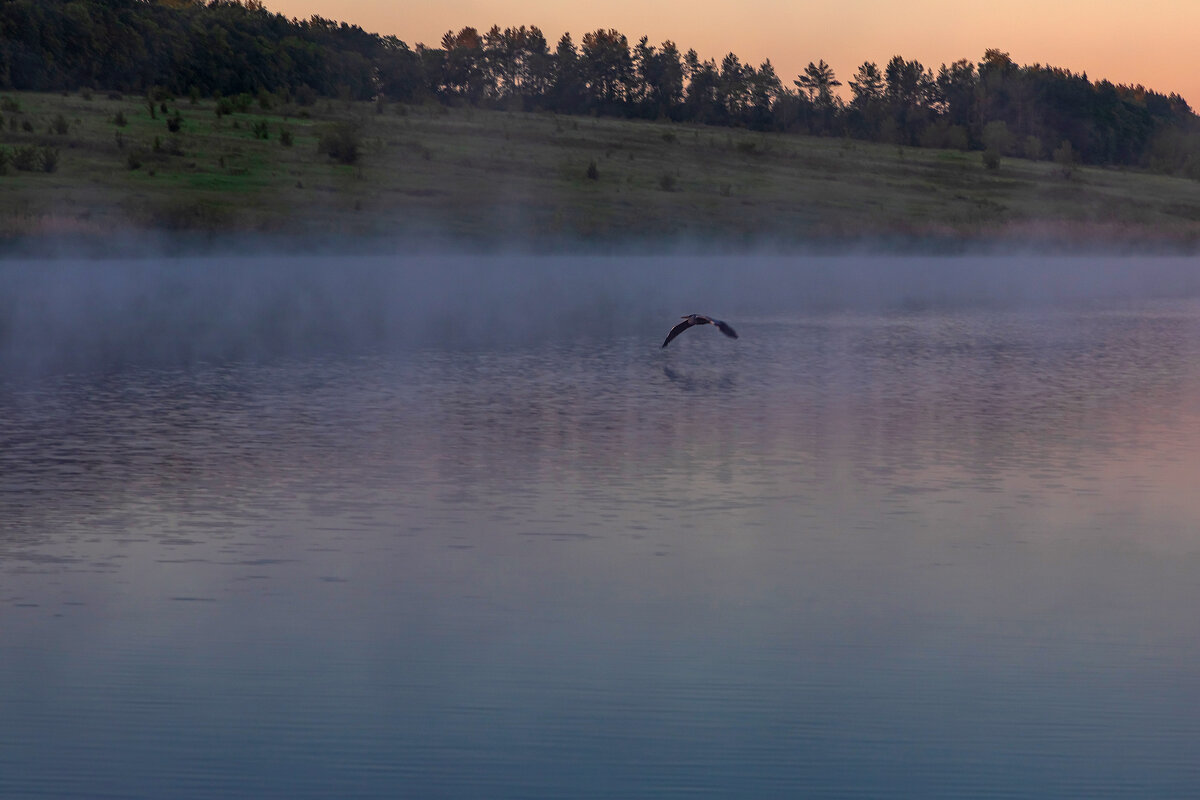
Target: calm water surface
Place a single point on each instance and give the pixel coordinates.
(938, 553)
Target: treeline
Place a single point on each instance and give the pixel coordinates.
(235, 47)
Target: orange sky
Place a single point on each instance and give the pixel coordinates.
(1152, 42)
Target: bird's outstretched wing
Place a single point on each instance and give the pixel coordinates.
(678, 329)
(725, 328)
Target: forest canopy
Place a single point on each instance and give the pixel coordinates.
(230, 47)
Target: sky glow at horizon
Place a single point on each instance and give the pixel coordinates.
(1152, 42)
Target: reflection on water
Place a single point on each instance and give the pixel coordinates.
(931, 554)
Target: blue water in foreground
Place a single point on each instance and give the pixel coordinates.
(941, 551)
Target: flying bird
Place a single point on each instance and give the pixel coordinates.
(699, 319)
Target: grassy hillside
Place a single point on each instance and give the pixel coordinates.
(430, 171)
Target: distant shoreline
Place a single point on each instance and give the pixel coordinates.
(118, 177)
(159, 244)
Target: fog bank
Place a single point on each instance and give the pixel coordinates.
(95, 314)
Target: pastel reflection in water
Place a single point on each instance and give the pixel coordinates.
(931, 554)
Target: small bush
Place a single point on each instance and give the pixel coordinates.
(285, 137)
(260, 130)
(134, 161)
(1191, 167)
(224, 107)
(669, 137)
(1064, 156)
(119, 119)
(27, 158)
(1033, 149)
(10, 105)
(306, 95)
(183, 214)
(667, 182)
(5, 157)
(991, 159)
(932, 137)
(49, 159)
(956, 137)
(115, 96)
(592, 172)
(27, 126)
(996, 136)
(174, 122)
(340, 143)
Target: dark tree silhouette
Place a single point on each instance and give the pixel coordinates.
(703, 96)
(909, 94)
(237, 49)
(818, 82)
(607, 68)
(567, 88)
(765, 90)
(866, 110)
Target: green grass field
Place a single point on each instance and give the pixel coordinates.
(491, 175)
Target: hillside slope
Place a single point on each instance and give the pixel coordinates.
(373, 170)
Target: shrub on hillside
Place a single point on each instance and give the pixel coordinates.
(997, 137)
(957, 138)
(1064, 156)
(1033, 148)
(32, 158)
(340, 143)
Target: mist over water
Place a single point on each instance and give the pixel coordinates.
(458, 526)
(95, 314)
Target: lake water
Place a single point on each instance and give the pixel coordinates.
(909, 543)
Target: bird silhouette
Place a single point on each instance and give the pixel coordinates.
(699, 319)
